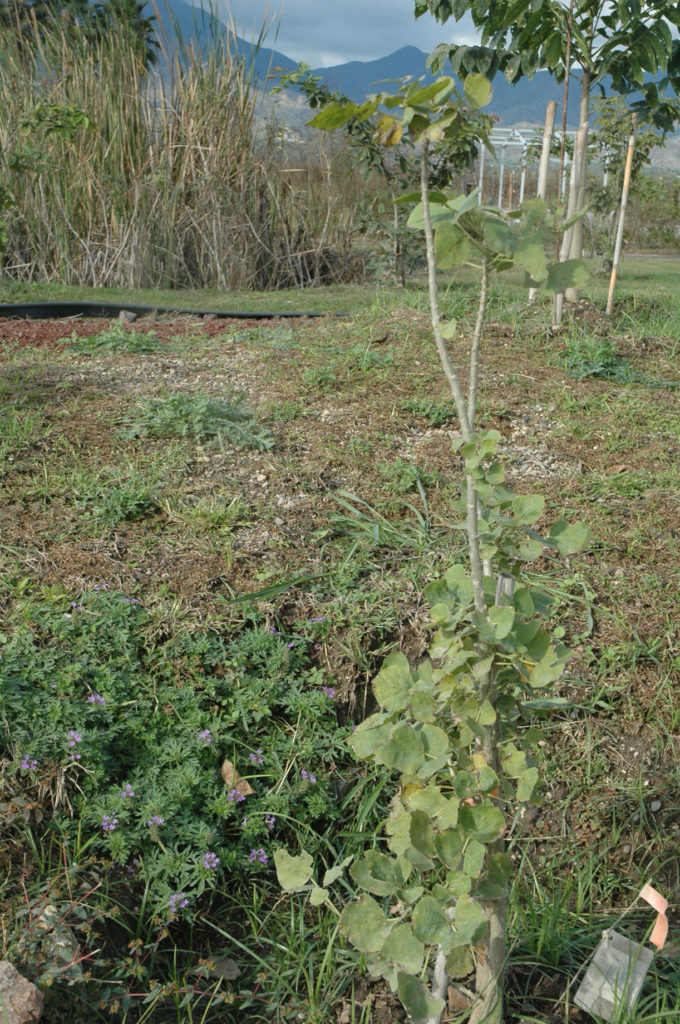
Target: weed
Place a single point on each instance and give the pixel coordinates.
(402, 476)
(590, 356)
(201, 418)
(321, 378)
(436, 413)
(117, 338)
(365, 358)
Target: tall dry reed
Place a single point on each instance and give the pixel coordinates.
(176, 184)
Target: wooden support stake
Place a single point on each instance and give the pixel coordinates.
(542, 190)
(622, 215)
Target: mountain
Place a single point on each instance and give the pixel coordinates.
(523, 103)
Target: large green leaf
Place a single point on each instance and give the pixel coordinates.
(370, 736)
(570, 274)
(334, 115)
(393, 683)
(473, 860)
(570, 539)
(526, 784)
(501, 620)
(380, 874)
(470, 920)
(293, 872)
(499, 237)
(401, 947)
(430, 921)
(364, 924)
(421, 834)
(549, 668)
(531, 255)
(416, 1000)
(527, 508)
(478, 90)
(448, 848)
(484, 821)
(451, 245)
(404, 751)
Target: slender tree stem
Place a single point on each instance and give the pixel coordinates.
(476, 571)
(476, 339)
(447, 366)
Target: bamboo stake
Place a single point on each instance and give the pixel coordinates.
(542, 190)
(622, 215)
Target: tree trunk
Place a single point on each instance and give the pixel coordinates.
(576, 250)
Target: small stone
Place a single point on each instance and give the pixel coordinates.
(655, 806)
(209, 317)
(126, 316)
(21, 1001)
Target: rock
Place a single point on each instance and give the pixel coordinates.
(126, 316)
(21, 1001)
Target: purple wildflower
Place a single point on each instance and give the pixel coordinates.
(307, 776)
(291, 644)
(109, 823)
(319, 618)
(256, 756)
(273, 629)
(127, 790)
(156, 820)
(206, 736)
(329, 691)
(269, 821)
(78, 607)
(258, 855)
(73, 737)
(28, 764)
(74, 757)
(101, 586)
(210, 861)
(129, 600)
(177, 901)
(96, 698)
(233, 796)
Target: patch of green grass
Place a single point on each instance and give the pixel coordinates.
(19, 430)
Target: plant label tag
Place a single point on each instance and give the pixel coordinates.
(615, 976)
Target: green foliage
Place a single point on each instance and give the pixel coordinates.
(114, 728)
(631, 44)
(434, 729)
(201, 418)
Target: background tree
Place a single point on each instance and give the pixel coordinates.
(625, 42)
(397, 166)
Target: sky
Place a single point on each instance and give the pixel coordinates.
(326, 32)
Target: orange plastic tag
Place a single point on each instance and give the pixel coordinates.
(658, 903)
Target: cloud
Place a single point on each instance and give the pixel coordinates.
(323, 33)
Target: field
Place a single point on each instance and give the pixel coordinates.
(212, 534)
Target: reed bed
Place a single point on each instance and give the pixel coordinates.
(176, 184)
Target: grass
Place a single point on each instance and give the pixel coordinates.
(303, 559)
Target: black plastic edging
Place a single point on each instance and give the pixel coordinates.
(63, 310)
